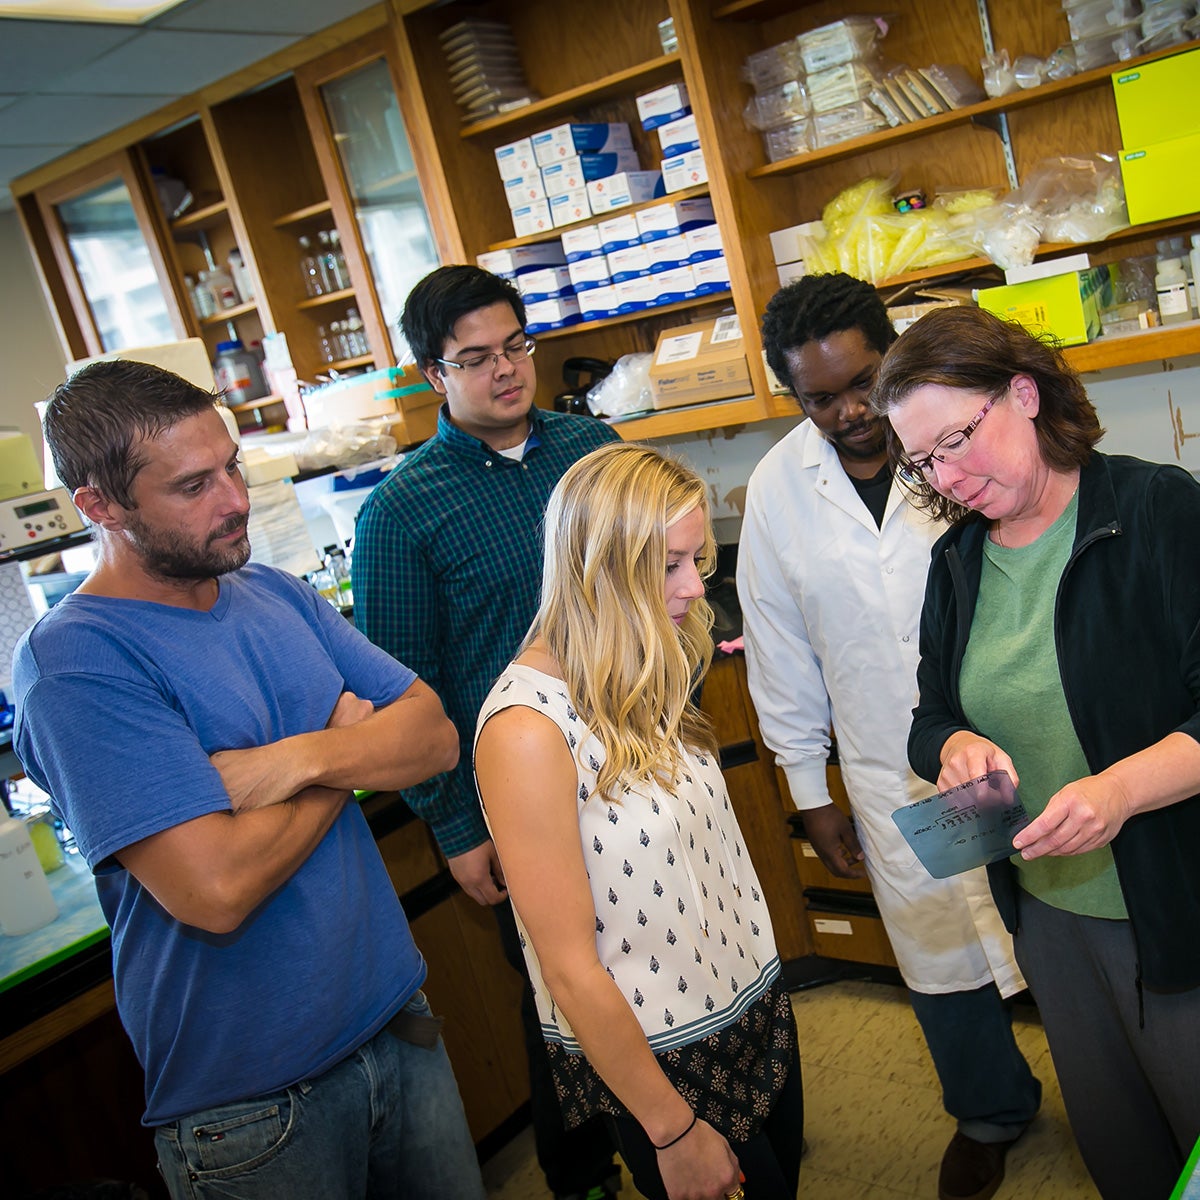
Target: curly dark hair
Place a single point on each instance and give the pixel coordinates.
(814, 306)
(975, 351)
(436, 303)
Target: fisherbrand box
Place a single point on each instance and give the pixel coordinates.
(695, 363)
(570, 141)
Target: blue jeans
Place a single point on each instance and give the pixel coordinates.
(386, 1122)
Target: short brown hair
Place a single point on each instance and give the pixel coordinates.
(975, 351)
(96, 422)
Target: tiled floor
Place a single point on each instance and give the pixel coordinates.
(873, 1115)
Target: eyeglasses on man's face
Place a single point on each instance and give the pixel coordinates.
(485, 364)
(947, 449)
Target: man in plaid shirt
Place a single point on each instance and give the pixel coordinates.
(447, 575)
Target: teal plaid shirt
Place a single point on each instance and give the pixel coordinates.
(447, 578)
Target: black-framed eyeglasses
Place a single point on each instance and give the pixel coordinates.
(481, 364)
(947, 449)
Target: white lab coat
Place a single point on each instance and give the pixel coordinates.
(831, 609)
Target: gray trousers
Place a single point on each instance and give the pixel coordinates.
(1131, 1087)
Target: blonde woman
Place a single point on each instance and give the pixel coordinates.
(647, 937)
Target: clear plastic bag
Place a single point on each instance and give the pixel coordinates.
(788, 141)
(841, 42)
(769, 68)
(954, 83)
(841, 86)
(1077, 198)
(998, 78)
(345, 445)
(779, 106)
(625, 389)
(853, 120)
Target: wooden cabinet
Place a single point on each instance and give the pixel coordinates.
(958, 149)
(749, 773)
(269, 162)
(264, 157)
(97, 234)
(843, 921)
(589, 64)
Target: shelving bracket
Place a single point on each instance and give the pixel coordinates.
(996, 122)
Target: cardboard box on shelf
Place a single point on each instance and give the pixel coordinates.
(623, 189)
(516, 158)
(684, 171)
(1159, 101)
(663, 105)
(1066, 306)
(524, 189)
(568, 207)
(673, 217)
(571, 140)
(518, 259)
(700, 362)
(678, 137)
(1162, 180)
(532, 218)
(581, 170)
(417, 406)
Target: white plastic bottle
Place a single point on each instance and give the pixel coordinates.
(1195, 257)
(239, 272)
(220, 283)
(1171, 285)
(26, 902)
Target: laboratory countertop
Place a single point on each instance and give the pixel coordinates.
(41, 970)
(80, 923)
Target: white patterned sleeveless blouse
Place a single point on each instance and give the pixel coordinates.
(681, 923)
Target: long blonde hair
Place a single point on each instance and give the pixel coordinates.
(629, 669)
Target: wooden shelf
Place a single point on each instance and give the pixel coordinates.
(261, 402)
(619, 83)
(321, 209)
(641, 315)
(230, 314)
(201, 218)
(328, 298)
(550, 234)
(757, 10)
(346, 364)
(967, 266)
(1172, 341)
(957, 117)
(670, 422)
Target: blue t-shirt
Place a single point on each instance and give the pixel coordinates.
(119, 704)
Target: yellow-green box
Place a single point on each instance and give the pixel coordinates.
(1065, 306)
(1162, 180)
(1159, 101)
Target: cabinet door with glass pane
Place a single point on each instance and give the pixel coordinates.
(106, 244)
(378, 178)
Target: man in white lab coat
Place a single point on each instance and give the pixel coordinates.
(831, 575)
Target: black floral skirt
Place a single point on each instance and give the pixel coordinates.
(730, 1078)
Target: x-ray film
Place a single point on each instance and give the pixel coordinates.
(969, 826)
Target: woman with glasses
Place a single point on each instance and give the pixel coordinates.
(1060, 642)
(646, 934)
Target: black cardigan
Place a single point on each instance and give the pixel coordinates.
(1127, 633)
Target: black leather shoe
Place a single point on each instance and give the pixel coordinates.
(971, 1170)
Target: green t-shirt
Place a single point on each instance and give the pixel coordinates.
(1012, 693)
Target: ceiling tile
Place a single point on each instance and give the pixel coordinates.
(16, 160)
(162, 62)
(300, 17)
(76, 120)
(31, 52)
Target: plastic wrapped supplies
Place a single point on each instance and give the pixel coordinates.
(1068, 200)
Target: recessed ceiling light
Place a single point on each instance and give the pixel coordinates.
(122, 12)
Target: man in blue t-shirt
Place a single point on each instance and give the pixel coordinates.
(199, 724)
